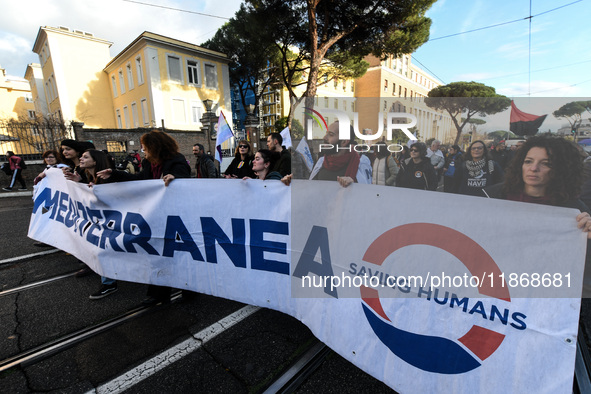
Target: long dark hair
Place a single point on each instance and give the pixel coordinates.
(161, 146)
(269, 157)
(566, 175)
(102, 163)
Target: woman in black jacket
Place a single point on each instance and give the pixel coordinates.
(417, 172)
(241, 166)
(162, 161)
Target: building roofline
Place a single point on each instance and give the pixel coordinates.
(42, 33)
(150, 37)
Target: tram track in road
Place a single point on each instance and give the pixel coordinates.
(29, 256)
(36, 284)
(300, 370)
(41, 352)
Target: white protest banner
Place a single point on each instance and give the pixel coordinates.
(464, 336)
(182, 235)
(415, 338)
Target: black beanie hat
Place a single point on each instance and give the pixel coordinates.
(72, 144)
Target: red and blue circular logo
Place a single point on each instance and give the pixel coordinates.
(427, 352)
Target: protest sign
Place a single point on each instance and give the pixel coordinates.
(489, 331)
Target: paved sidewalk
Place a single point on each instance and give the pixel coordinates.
(15, 193)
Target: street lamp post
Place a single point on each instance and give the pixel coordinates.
(251, 124)
(208, 122)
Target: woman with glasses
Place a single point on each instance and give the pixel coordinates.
(241, 166)
(478, 171)
(52, 160)
(416, 172)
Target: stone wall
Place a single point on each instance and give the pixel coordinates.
(131, 139)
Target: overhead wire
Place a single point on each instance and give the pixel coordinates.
(177, 9)
(503, 23)
(529, 18)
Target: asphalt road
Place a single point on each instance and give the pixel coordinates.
(244, 357)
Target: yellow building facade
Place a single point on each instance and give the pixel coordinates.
(396, 85)
(159, 81)
(155, 81)
(390, 85)
(16, 103)
(76, 88)
(335, 94)
(34, 75)
(16, 100)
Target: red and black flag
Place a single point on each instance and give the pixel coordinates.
(524, 124)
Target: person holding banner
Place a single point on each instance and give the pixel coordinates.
(71, 151)
(417, 172)
(264, 161)
(241, 166)
(52, 160)
(549, 171)
(341, 162)
(162, 161)
(91, 162)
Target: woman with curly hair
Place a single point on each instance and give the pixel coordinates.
(477, 171)
(162, 161)
(545, 170)
(416, 172)
(548, 170)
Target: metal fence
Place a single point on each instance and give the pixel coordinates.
(30, 139)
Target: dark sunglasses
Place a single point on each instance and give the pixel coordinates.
(243, 146)
(414, 150)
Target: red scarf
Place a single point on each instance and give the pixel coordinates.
(337, 162)
(156, 171)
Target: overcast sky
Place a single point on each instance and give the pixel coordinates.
(499, 57)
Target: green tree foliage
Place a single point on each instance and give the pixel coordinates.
(339, 33)
(466, 99)
(296, 129)
(252, 51)
(499, 135)
(573, 113)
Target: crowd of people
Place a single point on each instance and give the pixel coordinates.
(544, 170)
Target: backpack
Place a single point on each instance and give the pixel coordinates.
(22, 164)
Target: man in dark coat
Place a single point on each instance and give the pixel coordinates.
(204, 166)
